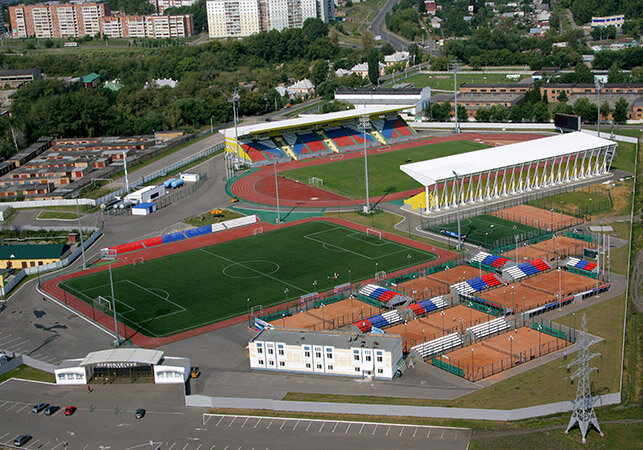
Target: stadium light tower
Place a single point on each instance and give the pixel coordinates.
(364, 125)
(598, 85)
(454, 66)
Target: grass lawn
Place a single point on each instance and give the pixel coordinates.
(208, 219)
(28, 373)
(445, 81)
(618, 257)
(489, 231)
(624, 158)
(346, 177)
(59, 215)
(179, 292)
(576, 203)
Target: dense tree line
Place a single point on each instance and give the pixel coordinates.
(583, 10)
(404, 19)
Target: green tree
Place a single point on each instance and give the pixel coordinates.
(314, 28)
(319, 72)
(562, 97)
(414, 54)
(615, 74)
(605, 110)
(463, 116)
(373, 67)
(541, 113)
(499, 113)
(620, 110)
(387, 49)
(517, 114)
(586, 110)
(583, 74)
(483, 114)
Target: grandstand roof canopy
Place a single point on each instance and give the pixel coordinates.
(434, 170)
(309, 120)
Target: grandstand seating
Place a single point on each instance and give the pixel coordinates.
(477, 284)
(379, 321)
(378, 293)
(425, 306)
(438, 345)
(490, 260)
(263, 150)
(492, 326)
(358, 135)
(528, 268)
(581, 264)
(392, 129)
(305, 143)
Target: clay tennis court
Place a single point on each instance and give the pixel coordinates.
(438, 283)
(539, 290)
(435, 325)
(494, 355)
(565, 246)
(537, 217)
(329, 317)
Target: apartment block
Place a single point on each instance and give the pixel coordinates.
(153, 26)
(227, 18)
(57, 20)
(162, 5)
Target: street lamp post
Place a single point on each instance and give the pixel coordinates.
(457, 199)
(443, 329)
(111, 285)
(454, 66)
(364, 124)
(511, 351)
(80, 230)
(597, 83)
(472, 366)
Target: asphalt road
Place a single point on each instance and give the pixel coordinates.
(378, 27)
(105, 419)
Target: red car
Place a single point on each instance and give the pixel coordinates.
(70, 410)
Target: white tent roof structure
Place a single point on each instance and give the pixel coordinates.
(123, 355)
(434, 170)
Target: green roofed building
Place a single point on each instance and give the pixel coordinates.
(91, 81)
(29, 255)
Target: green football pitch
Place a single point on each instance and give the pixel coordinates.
(489, 231)
(346, 177)
(168, 295)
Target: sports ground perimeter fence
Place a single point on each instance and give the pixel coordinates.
(468, 369)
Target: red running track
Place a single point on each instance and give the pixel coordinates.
(52, 288)
(259, 187)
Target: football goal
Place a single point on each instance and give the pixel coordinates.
(317, 182)
(257, 231)
(138, 260)
(375, 233)
(103, 304)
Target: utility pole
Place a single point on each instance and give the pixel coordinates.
(457, 199)
(364, 123)
(454, 66)
(277, 192)
(583, 413)
(80, 230)
(125, 167)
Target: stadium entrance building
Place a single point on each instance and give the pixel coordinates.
(316, 135)
(496, 172)
(124, 365)
(364, 97)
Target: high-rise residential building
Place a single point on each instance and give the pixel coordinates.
(162, 5)
(227, 18)
(57, 20)
(233, 17)
(154, 26)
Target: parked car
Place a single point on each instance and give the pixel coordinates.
(49, 410)
(140, 413)
(21, 440)
(70, 410)
(39, 407)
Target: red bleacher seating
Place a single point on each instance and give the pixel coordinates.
(540, 265)
(364, 325)
(499, 262)
(491, 280)
(590, 266)
(253, 153)
(151, 242)
(417, 309)
(130, 246)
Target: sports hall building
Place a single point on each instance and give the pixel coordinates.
(331, 353)
(124, 365)
(316, 135)
(496, 172)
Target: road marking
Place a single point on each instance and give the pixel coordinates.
(335, 427)
(244, 422)
(296, 423)
(455, 436)
(212, 447)
(37, 440)
(186, 445)
(416, 430)
(389, 429)
(233, 419)
(282, 425)
(270, 423)
(26, 405)
(442, 435)
(2, 437)
(374, 430)
(3, 403)
(200, 429)
(429, 433)
(309, 424)
(401, 431)
(257, 422)
(219, 421)
(199, 446)
(349, 425)
(193, 438)
(360, 430)
(12, 406)
(322, 426)
(173, 444)
(20, 343)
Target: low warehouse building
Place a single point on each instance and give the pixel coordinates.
(326, 353)
(29, 255)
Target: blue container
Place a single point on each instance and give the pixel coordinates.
(177, 183)
(168, 183)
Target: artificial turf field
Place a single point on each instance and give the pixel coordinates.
(168, 295)
(346, 177)
(489, 231)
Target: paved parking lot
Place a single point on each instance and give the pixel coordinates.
(105, 420)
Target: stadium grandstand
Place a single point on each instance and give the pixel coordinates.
(316, 135)
(496, 172)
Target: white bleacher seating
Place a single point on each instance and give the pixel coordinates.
(463, 288)
(378, 124)
(571, 261)
(392, 316)
(492, 326)
(290, 139)
(440, 301)
(438, 345)
(515, 272)
(480, 256)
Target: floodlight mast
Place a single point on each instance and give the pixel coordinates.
(364, 124)
(598, 85)
(454, 66)
(457, 195)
